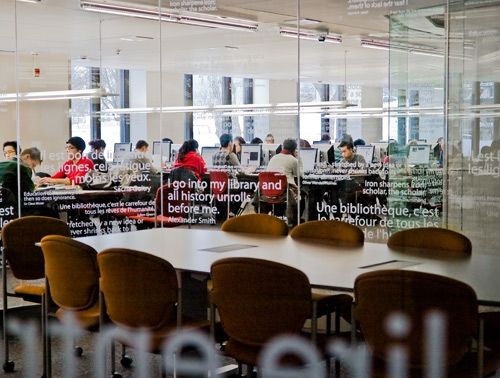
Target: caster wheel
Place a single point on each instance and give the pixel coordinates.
(116, 375)
(78, 351)
(126, 361)
(8, 366)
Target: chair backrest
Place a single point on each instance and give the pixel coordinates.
(219, 182)
(173, 200)
(19, 237)
(259, 299)
(384, 292)
(329, 230)
(72, 272)
(182, 174)
(256, 224)
(432, 239)
(272, 184)
(140, 290)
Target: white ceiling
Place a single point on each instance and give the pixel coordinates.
(59, 28)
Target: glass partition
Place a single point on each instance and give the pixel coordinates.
(473, 132)
(409, 85)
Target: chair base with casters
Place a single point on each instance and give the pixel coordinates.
(25, 258)
(125, 276)
(257, 300)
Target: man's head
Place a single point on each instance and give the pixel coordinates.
(226, 140)
(141, 146)
(31, 157)
(290, 145)
(10, 149)
(346, 150)
(270, 139)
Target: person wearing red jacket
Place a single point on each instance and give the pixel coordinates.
(188, 157)
(74, 169)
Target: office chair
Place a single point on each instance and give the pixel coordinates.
(27, 264)
(336, 233)
(219, 187)
(258, 300)
(382, 293)
(272, 189)
(72, 282)
(140, 292)
(256, 224)
(440, 242)
(263, 224)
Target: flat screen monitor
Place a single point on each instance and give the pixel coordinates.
(268, 151)
(174, 150)
(207, 153)
(250, 155)
(121, 150)
(308, 157)
(161, 151)
(323, 148)
(380, 150)
(367, 152)
(419, 154)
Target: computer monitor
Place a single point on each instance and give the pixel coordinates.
(207, 153)
(161, 151)
(308, 157)
(323, 148)
(250, 155)
(268, 151)
(419, 154)
(380, 150)
(121, 150)
(174, 150)
(367, 152)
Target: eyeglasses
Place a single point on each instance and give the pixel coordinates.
(70, 147)
(9, 152)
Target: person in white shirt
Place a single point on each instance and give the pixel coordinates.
(287, 162)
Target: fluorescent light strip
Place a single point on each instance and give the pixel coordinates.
(311, 35)
(53, 95)
(154, 13)
(385, 45)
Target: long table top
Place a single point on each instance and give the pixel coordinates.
(326, 265)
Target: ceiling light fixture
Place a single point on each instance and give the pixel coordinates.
(155, 13)
(412, 49)
(54, 95)
(311, 35)
(30, 1)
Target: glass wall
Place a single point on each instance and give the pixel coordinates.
(412, 84)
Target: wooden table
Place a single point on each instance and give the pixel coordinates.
(325, 265)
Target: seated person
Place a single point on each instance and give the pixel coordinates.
(349, 156)
(74, 169)
(10, 150)
(188, 157)
(225, 156)
(269, 138)
(30, 159)
(287, 162)
(438, 151)
(237, 143)
(97, 155)
(138, 160)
